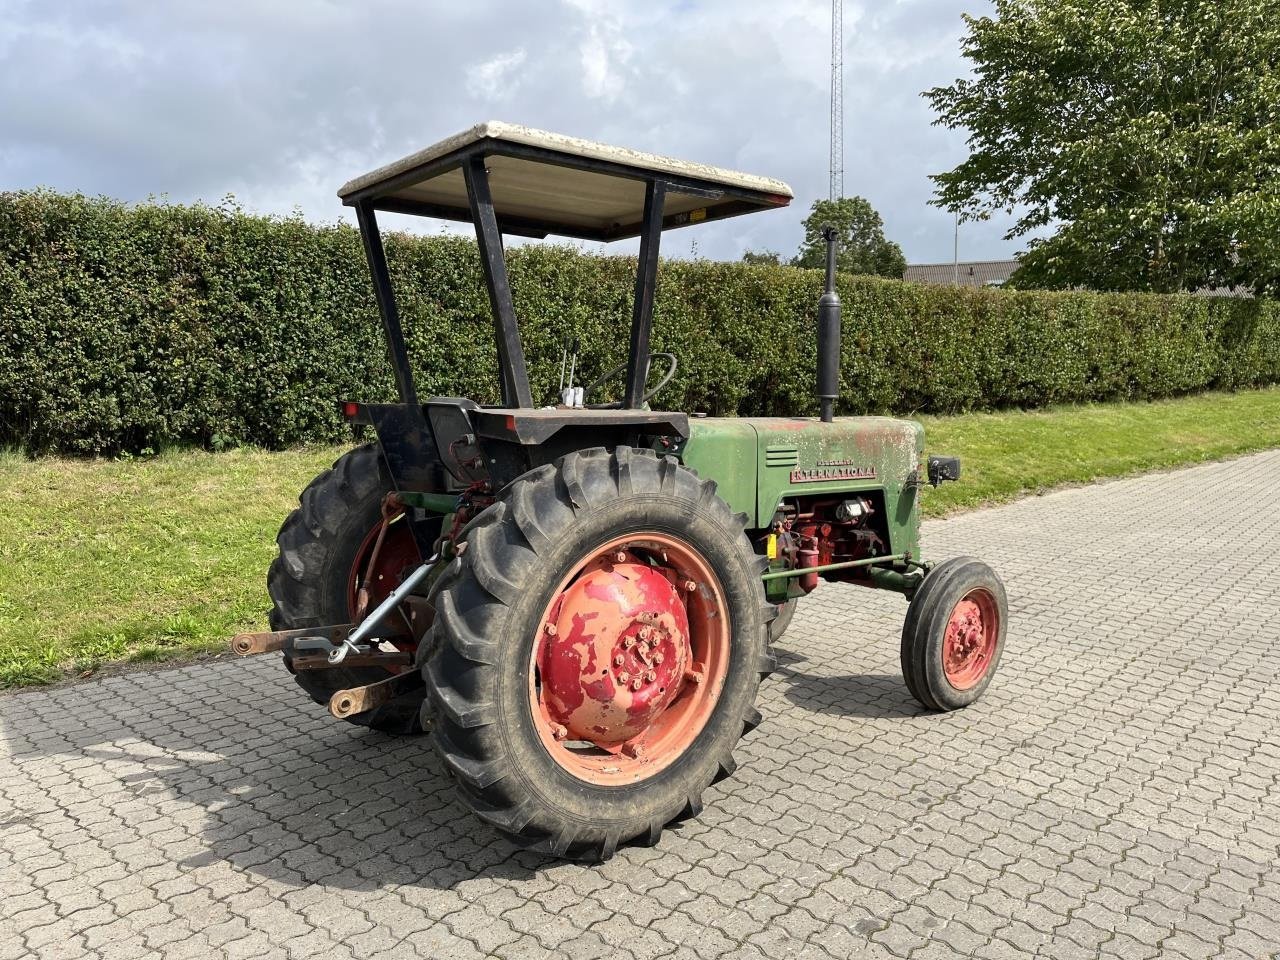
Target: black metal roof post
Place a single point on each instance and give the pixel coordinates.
(515, 376)
(386, 302)
(655, 195)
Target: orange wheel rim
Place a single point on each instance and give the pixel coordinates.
(972, 634)
(630, 658)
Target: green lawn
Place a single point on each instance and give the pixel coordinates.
(109, 561)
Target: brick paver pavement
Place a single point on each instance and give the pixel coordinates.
(1114, 794)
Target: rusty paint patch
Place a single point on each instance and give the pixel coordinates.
(619, 648)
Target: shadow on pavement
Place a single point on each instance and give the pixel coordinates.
(874, 696)
(287, 793)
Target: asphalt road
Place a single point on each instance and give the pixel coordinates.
(1115, 794)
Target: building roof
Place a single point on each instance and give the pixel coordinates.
(995, 273)
(550, 183)
(971, 273)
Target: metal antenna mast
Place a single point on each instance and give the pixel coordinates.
(837, 100)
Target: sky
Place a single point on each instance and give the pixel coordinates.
(278, 102)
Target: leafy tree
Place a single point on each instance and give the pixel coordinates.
(1143, 135)
(762, 257)
(863, 247)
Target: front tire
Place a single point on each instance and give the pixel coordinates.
(782, 621)
(953, 636)
(577, 783)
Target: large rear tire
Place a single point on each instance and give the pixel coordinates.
(324, 548)
(558, 540)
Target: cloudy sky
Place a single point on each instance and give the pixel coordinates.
(279, 102)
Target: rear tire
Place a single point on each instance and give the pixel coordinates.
(484, 691)
(309, 582)
(953, 636)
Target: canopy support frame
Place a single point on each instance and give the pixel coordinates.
(511, 362)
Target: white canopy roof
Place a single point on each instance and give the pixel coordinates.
(549, 183)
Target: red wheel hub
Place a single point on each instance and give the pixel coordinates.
(399, 555)
(969, 644)
(380, 568)
(616, 650)
(631, 653)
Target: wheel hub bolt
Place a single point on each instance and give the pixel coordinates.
(620, 557)
(559, 731)
(690, 586)
(633, 750)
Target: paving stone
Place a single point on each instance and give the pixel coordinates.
(1116, 793)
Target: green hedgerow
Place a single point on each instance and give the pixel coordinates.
(125, 328)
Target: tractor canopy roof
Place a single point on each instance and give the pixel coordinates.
(546, 183)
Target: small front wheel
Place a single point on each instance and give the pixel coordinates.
(954, 634)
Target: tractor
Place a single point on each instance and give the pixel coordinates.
(578, 600)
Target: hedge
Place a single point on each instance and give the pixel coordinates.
(130, 328)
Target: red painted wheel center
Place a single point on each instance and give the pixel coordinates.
(630, 657)
(615, 654)
(970, 641)
(397, 556)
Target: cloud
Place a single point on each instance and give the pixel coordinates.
(280, 103)
(498, 77)
(604, 52)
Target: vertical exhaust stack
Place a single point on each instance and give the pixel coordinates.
(829, 333)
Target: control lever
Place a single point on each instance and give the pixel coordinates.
(570, 395)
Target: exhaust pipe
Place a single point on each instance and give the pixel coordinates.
(829, 333)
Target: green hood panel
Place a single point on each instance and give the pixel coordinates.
(759, 461)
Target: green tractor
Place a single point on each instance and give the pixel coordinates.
(578, 600)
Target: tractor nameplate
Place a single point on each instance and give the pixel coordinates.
(822, 475)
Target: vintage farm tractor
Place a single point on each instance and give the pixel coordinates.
(579, 600)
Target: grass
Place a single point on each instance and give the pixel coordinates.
(1012, 454)
(132, 561)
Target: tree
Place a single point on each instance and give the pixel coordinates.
(762, 257)
(1141, 134)
(863, 247)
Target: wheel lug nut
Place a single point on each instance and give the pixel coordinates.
(624, 677)
(559, 731)
(620, 557)
(635, 684)
(690, 586)
(651, 676)
(618, 660)
(551, 629)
